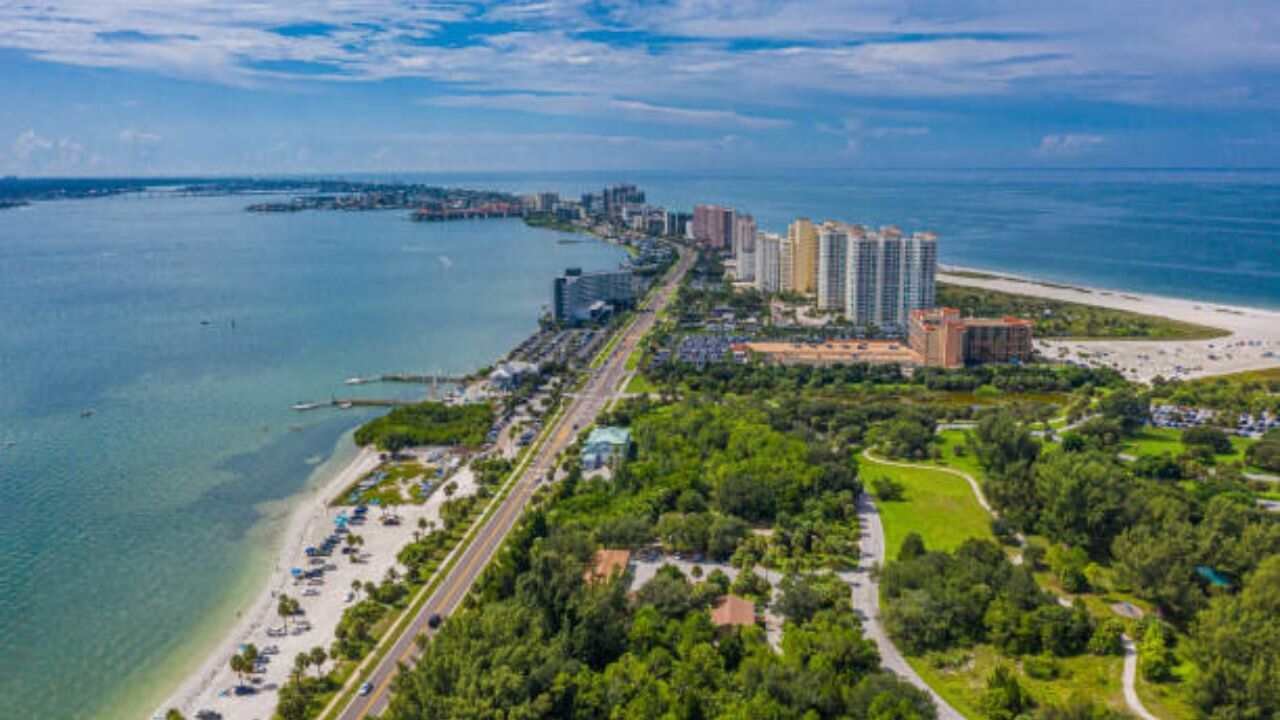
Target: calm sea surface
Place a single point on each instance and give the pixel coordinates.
(131, 537)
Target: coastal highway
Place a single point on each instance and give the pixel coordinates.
(601, 387)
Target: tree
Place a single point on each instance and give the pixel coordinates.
(912, 547)
(173, 714)
(799, 600)
(285, 607)
(318, 658)
(238, 667)
(1108, 638)
(1083, 497)
(887, 489)
(1156, 659)
(1210, 437)
(1005, 698)
(1127, 407)
(301, 662)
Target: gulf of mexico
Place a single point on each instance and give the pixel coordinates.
(132, 535)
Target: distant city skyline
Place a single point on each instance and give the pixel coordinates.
(359, 86)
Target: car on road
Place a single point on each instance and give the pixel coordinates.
(434, 621)
(365, 689)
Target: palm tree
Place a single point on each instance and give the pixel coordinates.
(300, 663)
(355, 587)
(237, 667)
(318, 658)
(284, 609)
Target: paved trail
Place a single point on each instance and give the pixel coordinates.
(866, 603)
(1130, 675)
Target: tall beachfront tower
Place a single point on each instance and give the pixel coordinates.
(889, 275)
(802, 237)
(833, 247)
(768, 262)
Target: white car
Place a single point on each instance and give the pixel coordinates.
(365, 689)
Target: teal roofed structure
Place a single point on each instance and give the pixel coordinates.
(604, 445)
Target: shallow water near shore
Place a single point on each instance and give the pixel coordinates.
(133, 536)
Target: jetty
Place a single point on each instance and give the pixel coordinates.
(407, 378)
(347, 403)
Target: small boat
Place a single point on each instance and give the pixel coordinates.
(305, 406)
(344, 405)
(87, 413)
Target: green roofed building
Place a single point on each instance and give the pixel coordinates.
(604, 445)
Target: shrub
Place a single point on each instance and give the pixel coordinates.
(1108, 638)
(887, 489)
(1041, 667)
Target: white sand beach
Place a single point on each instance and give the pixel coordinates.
(210, 687)
(1254, 343)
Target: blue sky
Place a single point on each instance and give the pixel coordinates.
(181, 86)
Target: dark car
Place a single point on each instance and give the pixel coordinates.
(434, 621)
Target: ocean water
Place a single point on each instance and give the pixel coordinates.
(1205, 234)
(131, 537)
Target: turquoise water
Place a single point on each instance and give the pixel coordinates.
(129, 537)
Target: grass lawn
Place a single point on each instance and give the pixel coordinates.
(1154, 441)
(641, 384)
(937, 505)
(1168, 700)
(960, 676)
(956, 455)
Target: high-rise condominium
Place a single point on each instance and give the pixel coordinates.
(888, 275)
(713, 226)
(802, 241)
(833, 248)
(768, 262)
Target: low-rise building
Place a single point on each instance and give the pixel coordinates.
(831, 352)
(733, 611)
(507, 375)
(606, 564)
(604, 446)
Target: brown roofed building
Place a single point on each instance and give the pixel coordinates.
(606, 564)
(733, 610)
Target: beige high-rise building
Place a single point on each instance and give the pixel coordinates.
(802, 236)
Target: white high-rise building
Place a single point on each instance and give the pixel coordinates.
(833, 249)
(744, 252)
(768, 263)
(889, 275)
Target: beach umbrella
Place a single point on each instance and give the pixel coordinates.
(296, 572)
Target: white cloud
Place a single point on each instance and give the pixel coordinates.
(129, 136)
(1067, 145)
(34, 153)
(600, 105)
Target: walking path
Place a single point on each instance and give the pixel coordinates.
(1130, 674)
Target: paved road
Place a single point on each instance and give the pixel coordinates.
(1130, 675)
(600, 388)
(866, 603)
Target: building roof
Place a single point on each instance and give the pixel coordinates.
(734, 610)
(609, 436)
(833, 351)
(606, 563)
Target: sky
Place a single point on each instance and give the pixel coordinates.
(156, 87)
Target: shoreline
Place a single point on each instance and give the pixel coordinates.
(1253, 332)
(310, 509)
